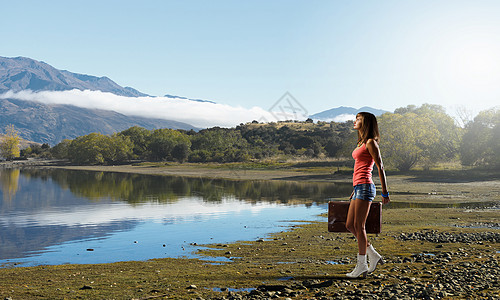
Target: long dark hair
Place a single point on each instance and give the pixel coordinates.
(369, 127)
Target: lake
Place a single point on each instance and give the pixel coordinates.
(53, 216)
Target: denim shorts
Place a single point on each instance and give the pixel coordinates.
(365, 191)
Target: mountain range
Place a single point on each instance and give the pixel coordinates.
(21, 73)
(51, 123)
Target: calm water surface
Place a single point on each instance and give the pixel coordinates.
(61, 216)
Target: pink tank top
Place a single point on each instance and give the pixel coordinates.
(363, 166)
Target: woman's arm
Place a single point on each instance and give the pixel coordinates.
(374, 150)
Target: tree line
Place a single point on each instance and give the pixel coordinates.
(411, 136)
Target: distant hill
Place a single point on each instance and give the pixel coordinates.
(184, 98)
(44, 123)
(336, 113)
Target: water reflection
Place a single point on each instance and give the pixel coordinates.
(135, 188)
(9, 182)
(53, 216)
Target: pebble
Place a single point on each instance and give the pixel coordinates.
(437, 237)
(86, 287)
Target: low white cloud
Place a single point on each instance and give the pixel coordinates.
(340, 118)
(344, 118)
(199, 114)
(99, 214)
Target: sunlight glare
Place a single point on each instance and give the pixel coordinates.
(476, 65)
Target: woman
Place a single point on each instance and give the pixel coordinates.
(365, 155)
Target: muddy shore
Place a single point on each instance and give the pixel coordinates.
(431, 253)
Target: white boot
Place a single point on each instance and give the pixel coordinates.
(360, 269)
(374, 258)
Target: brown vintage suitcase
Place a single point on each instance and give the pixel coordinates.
(337, 216)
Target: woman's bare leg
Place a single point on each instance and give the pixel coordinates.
(349, 224)
(361, 210)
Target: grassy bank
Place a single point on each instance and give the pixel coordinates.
(306, 259)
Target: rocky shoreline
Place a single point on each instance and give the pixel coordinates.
(423, 276)
(31, 162)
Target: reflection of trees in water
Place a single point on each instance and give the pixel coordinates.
(131, 188)
(283, 191)
(9, 180)
(136, 188)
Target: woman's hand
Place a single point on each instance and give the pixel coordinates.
(385, 200)
(352, 195)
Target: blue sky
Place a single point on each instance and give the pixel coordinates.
(384, 54)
